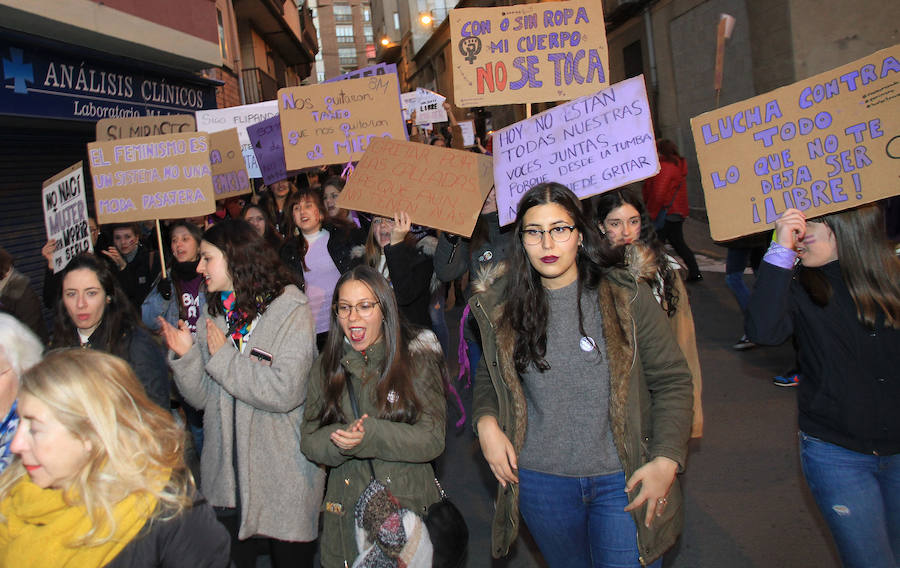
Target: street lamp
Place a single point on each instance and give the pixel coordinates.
(425, 18)
(385, 41)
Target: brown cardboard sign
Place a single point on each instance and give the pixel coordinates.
(439, 187)
(158, 177)
(824, 144)
(334, 123)
(143, 126)
(528, 53)
(229, 170)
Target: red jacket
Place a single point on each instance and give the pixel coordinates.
(659, 189)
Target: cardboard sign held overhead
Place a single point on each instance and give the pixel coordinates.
(377, 69)
(528, 53)
(265, 138)
(824, 144)
(438, 187)
(590, 145)
(239, 117)
(429, 107)
(65, 215)
(158, 177)
(229, 171)
(143, 126)
(334, 123)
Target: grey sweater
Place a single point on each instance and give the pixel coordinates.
(568, 405)
(280, 491)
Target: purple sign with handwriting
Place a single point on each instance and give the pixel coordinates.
(268, 147)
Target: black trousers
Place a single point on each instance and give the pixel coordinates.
(673, 232)
(283, 554)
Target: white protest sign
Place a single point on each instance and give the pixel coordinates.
(468, 132)
(239, 117)
(429, 107)
(591, 145)
(408, 103)
(65, 215)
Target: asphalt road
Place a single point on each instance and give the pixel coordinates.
(746, 502)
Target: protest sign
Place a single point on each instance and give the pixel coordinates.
(265, 137)
(334, 123)
(372, 70)
(467, 127)
(239, 117)
(158, 177)
(824, 144)
(591, 145)
(429, 107)
(438, 187)
(143, 126)
(65, 215)
(408, 103)
(229, 171)
(528, 53)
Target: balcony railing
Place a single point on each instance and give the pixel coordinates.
(258, 86)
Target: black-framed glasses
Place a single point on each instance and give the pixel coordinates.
(559, 234)
(364, 309)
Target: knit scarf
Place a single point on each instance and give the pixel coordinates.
(40, 527)
(7, 431)
(233, 316)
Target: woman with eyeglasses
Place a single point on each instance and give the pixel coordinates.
(247, 370)
(583, 400)
(398, 375)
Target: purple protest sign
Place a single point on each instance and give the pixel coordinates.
(268, 148)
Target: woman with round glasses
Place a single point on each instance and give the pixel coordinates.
(582, 401)
(398, 375)
(247, 370)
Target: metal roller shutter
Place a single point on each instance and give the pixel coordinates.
(32, 150)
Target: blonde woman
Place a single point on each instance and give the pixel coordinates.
(99, 477)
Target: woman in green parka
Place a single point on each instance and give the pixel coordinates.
(583, 400)
(399, 377)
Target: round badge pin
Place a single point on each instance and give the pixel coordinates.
(587, 344)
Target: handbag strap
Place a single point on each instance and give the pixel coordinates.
(354, 404)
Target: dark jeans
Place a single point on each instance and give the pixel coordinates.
(580, 521)
(283, 554)
(673, 233)
(859, 496)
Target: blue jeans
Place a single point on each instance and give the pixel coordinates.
(859, 496)
(580, 521)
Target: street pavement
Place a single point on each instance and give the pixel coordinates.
(746, 504)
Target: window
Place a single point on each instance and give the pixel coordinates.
(342, 13)
(633, 59)
(347, 55)
(344, 33)
(367, 14)
(397, 21)
(370, 51)
(223, 43)
(367, 29)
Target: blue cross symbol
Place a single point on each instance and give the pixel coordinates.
(16, 69)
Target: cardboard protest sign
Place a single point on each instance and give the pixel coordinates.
(438, 187)
(591, 145)
(239, 117)
(334, 123)
(265, 138)
(143, 126)
(429, 107)
(65, 215)
(158, 177)
(824, 144)
(528, 53)
(229, 172)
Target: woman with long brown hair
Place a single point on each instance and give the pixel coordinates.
(399, 376)
(248, 371)
(833, 283)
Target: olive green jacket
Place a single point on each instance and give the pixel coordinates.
(650, 402)
(400, 452)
